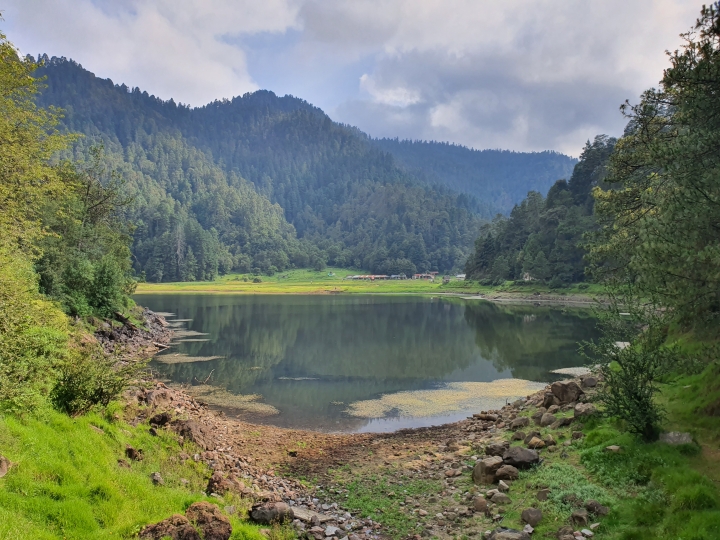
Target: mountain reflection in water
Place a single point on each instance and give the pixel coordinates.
(311, 357)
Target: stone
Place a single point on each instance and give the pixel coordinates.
(594, 526)
(157, 479)
(549, 400)
(613, 448)
(158, 398)
(4, 465)
(676, 437)
(423, 513)
(596, 508)
(530, 436)
(272, 512)
(213, 525)
(536, 443)
(160, 419)
(500, 498)
(587, 533)
(485, 469)
(542, 495)
(531, 516)
(562, 422)
(507, 534)
(528, 529)
(520, 422)
(132, 453)
(518, 436)
(536, 417)
(553, 409)
(220, 485)
(584, 409)
(566, 531)
(580, 517)
(496, 449)
(194, 431)
(547, 419)
(176, 527)
(566, 391)
(589, 382)
(549, 440)
(480, 504)
(522, 458)
(507, 472)
(577, 435)
(331, 531)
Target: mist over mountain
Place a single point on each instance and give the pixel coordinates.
(262, 182)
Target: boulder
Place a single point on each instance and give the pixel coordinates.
(507, 472)
(518, 436)
(480, 504)
(549, 440)
(500, 498)
(674, 438)
(562, 422)
(579, 517)
(520, 422)
(584, 409)
(502, 486)
(158, 398)
(193, 431)
(522, 458)
(485, 469)
(530, 436)
(596, 508)
(220, 485)
(531, 516)
(547, 419)
(496, 449)
(272, 512)
(549, 399)
(542, 495)
(176, 527)
(508, 534)
(589, 382)
(536, 442)
(566, 391)
(537, 416)
(206, 517)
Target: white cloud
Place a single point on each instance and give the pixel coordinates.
(515, 74)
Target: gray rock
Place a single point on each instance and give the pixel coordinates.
(595, 508)
(157, 479)
(542, 495)
(272, 512)
(531, 516)
(580, 517)
(522, 458)
(584, 409)
(566, 391)
(485, 469)
(507, 472)
(518, 436)
(549, 400)
(496, 449)
(331, 531)
(500, 498)
(480, 504)
(530, 436)
(507, 534)
(589, 382)
(520, 422)
(676, 437)
(547, 419)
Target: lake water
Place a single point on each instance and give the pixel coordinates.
(363, 363)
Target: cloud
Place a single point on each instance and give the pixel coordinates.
(527, 76)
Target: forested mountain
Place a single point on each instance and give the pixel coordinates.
(257, 182)
(499, 179)
(542, 238)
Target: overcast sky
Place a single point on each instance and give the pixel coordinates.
(546, 74)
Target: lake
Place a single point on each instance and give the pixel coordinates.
(362, 363)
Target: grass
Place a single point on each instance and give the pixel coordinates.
(331, 280)
(66, 481)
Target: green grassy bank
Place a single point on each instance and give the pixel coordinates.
(332, 280)
(66, 481)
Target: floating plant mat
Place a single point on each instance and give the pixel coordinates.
(184, 358)
(451, 397)
(219, 397)
(573, 371)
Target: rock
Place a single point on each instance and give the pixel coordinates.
(423, 513)
(531, 516)
(613, 448)
(536, 417)
(676, 437)
(480, 504)
(577, 435)
(522, 458)
(520, 422)
(331, 531)
(121, 463)
(536, 443)
(213, 525)
(596, 508)
(484, 470)
(547, 419)
(530, 436)
(272, 512)
(549, 400)
(594, 526)
(549, 440)
(584, 409)
(566, 391)
(542, 495)
(566, 531)
(4, 465)
(500, 498)
(528, 529)
(496, 449)
(160, 419)
(579, 517)
(589, 382)
(176, 527)
(135, 455)
(562, 422)
(587, 533)
(193, 431)
(518, 436)
(507, 472)
(219, 484)
(508, 534)
(553, 409)
(157, 479)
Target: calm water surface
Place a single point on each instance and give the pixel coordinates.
(311, 356)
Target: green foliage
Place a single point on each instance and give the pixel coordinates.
(659, 224)
(541, 240)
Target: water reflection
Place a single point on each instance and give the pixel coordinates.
(311, 356)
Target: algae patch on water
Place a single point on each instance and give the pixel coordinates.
(220, 397)
(451, 397)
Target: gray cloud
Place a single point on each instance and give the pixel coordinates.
(527, 76)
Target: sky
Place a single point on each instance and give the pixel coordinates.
(511, 74)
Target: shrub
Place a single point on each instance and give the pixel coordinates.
(257, 280)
